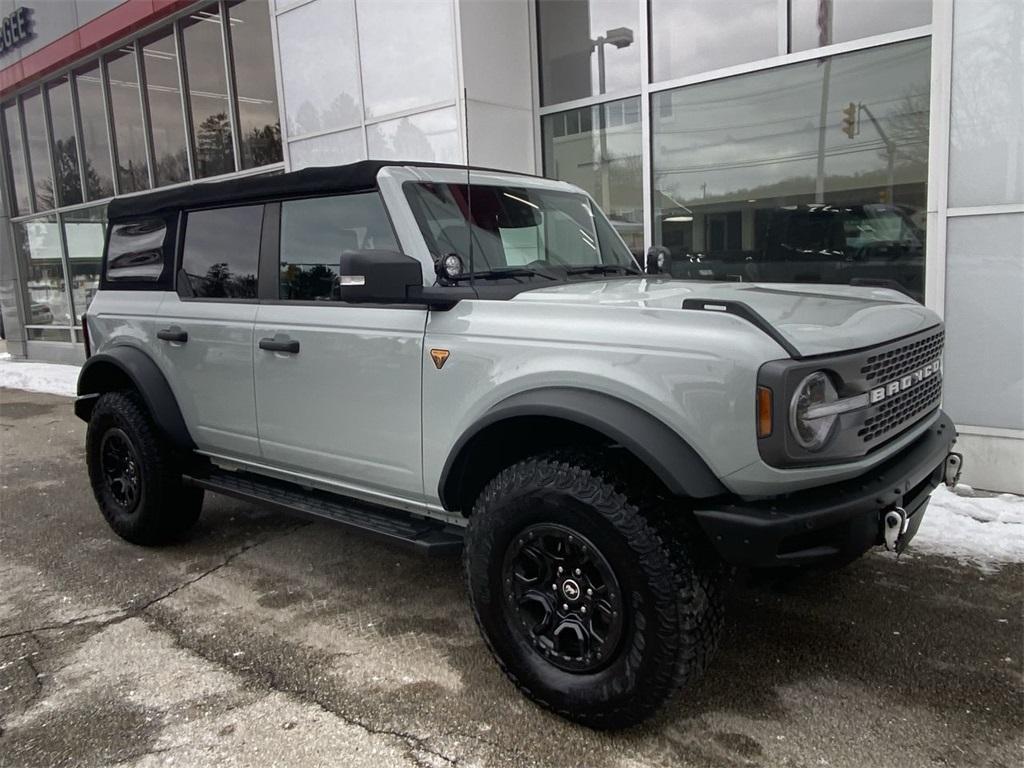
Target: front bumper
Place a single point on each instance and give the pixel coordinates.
(832, 522)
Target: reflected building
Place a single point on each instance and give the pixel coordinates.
(862, 142)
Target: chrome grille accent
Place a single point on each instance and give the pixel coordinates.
(894, 363)
(892, 415)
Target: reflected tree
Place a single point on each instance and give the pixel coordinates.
(213, 145)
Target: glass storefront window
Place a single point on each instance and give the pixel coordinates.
(208, 92)
(132, 166)
(692, 36)
(817, 22)
(428, 136)
(160, 60)
(394, 81)
(308, 35)
(84, 231)
(95, 141)
(65, 145)
(38, 152)
(37, 242)
(758, 177)
(259, 129)
(16, 160)
(587, 47)
(599, 149)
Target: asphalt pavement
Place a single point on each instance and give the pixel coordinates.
(265, 640)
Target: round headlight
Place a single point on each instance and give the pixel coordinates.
(812, 430)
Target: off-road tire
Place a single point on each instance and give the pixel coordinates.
(674, 611)
(164, 508)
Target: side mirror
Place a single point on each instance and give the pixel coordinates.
(378, 276)
(658, 260)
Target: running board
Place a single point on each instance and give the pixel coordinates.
(423, 535)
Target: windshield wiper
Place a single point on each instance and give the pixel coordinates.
(603, 269)
(499, 274)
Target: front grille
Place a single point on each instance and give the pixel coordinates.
(902, 410)
(894, 363)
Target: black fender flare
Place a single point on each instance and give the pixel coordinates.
(112, 369)
(648, 438)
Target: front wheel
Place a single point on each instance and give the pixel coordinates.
(594, 606)
(135, 473)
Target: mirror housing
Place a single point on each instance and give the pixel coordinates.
(378, 277)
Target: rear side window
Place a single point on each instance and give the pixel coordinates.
(316, 231)
(221, 253)
(135, 252)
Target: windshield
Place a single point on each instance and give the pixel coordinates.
(517, 230)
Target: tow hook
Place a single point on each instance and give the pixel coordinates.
(894, 525)
(954, 466)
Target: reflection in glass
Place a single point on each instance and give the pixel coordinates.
(984, 264)
(598, 148)
(336, 148)
(986, 153)
(587, 47)
(394, 80)
(65, 146)
(37, 243)
(310, 35)
(83, 233)
(314, 234)
(258, 116)
(38, 152)
(163, 91)
(221, 250)
(426, 136)
(95, 143)
(754, 181)
(135, 252)
(16, 160)
(208, 92)
(129, 133)
(691, 36)
(845, 20)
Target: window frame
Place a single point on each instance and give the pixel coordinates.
(181, 280)
(271, 274)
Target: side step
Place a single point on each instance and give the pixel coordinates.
(426, 536)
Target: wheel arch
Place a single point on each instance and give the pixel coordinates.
(551, 417)
(125, 367)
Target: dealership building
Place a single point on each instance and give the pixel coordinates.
(878, 142)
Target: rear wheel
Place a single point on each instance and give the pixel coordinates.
(594, 605)
(136, 474)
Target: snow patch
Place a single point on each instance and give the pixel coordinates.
(51, 378)
(977, 529)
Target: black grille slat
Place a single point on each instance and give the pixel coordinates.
(894, 363)
(902, 410)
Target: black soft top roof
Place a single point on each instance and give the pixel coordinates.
(336, 179)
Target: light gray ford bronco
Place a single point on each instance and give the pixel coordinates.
(458, 358)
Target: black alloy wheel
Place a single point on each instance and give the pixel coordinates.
(565, 595)
(120, 466)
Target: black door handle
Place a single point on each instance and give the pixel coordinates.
(280, 345)
(174, 333)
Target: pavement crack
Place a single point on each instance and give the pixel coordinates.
(102, 620)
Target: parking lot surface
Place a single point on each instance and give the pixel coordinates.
(267, 640)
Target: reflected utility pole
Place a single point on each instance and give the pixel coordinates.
(620, 37)
(824, 38)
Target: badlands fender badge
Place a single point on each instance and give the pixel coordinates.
(440, 357)
(902, 384)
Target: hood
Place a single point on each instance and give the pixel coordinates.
(814, 319)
